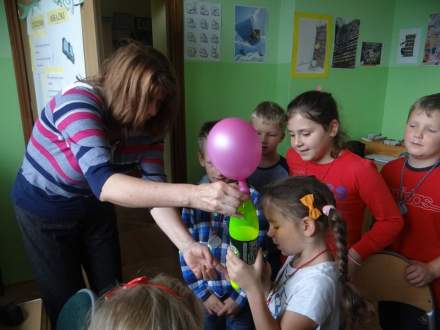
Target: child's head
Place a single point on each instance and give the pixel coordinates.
(160, 303)
(422, 133)
(313, 125)
(290, 224)
(269, 120)
(140, 89)
(212, 172)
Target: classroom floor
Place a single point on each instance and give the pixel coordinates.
(144, 250)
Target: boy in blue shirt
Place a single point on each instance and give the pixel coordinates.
(225, 307)
(269, 120)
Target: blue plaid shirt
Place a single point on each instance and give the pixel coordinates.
(202, 225)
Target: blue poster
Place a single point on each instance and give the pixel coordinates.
(250, 34)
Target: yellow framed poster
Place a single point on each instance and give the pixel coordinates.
(312, 36)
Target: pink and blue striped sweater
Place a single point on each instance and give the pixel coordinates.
(69, 156)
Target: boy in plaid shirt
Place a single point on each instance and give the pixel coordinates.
(225, 307)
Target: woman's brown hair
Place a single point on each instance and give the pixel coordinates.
(130, 80)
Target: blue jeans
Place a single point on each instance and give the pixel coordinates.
(240, 321)
(58, 247)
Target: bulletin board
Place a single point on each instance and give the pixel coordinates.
(54, 33)
(24, 50)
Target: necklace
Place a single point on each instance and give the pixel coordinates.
(404, 198)
(214, 240)
(278, 284)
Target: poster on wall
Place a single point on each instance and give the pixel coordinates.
(371, 53)
(56, 46)
(432, 42)
(409, 44)
(202, 26)
(311, 45)
(346, 40)
(250, 34)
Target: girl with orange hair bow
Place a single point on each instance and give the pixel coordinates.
(311, 286)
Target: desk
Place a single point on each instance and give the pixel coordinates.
(377, 147)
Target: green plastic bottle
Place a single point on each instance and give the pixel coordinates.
(243, 231)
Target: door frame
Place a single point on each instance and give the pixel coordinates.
(24, 80)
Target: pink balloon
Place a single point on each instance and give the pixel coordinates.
(234, 148)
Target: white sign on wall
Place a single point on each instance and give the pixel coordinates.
(202, 30)
(56, 46)
(409, 44)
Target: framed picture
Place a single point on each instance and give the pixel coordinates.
(312, 36)
(371, 53)
(250, 34)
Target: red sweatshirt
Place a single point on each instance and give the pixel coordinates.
(420, 237)
(355, 183)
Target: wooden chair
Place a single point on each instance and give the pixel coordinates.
(381, 278)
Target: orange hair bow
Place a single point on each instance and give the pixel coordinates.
(308, 201)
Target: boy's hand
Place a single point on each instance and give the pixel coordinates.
(213, 305)
(230, 308)
(419, 274)
(198, 257)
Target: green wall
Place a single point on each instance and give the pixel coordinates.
(13, 262)
(219, 89)
(408, 82)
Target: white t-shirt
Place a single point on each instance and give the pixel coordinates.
(313, 292)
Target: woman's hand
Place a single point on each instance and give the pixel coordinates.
(419, 274)
(217, 197)
(198, 257)
(248, 277)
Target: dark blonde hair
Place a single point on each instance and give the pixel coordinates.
(321, 108)
(272, 112)
(428, 104)
(285, 196)
(148, 307)
(133, 77)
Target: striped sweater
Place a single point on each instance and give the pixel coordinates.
(69, 156)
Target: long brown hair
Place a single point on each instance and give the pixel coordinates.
(149, 307)
(321, 108)
(133, 77)
(285, 195)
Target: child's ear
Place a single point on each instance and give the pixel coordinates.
(309, 226)
(333, 128)
(201, 159)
